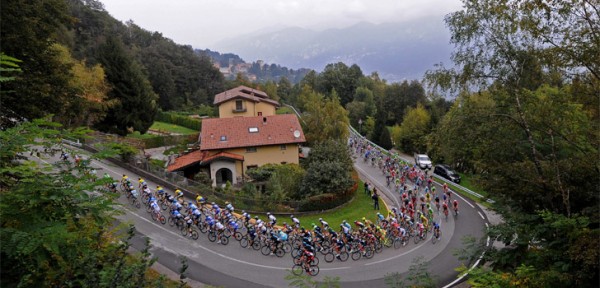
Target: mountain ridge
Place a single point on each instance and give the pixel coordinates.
(397, 51)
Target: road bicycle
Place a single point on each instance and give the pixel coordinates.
(246, 241)
(420, 236)
(312, 270)
(185, 231)
(158, 217)
(437, 234)
(213, 235)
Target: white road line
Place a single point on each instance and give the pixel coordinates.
(481, 215)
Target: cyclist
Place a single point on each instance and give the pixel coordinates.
(295, 221)
(445, 187)
(175, 205)
(177, 216)
(141, 182)
(154, 205)
(200, 200)
(64, 156)
(229, 207)
(188, 221)
(272, 219)
(445, 208)
(197, 214)
(133, 192)
(424, 220)
(324, 223)
(246, 217)
(125, 181)
(437, 202)
(455, 205)
(344, 229)
(160, 192)
(191, 206)
(436, 230)
(179, 195)
(147, 191)
(219, 228)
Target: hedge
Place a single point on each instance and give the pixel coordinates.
(174, 118)
(328, 201)
(160, 141)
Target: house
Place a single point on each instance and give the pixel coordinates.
(247, 135)
(245, 102)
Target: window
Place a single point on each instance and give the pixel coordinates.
(250, 149)
(253, 129)
(239, 105)
(259, 113)
(283, 162)
(282, 147)
(223, 138)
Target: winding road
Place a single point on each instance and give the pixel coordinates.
(234, 266)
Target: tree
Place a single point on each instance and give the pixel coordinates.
(418, 275)
(328, 169)
(55, 230)
(87, 101)
(323, 119)
(414, 129)
(136, 105)
(342, 79)
(284, 89)
(28, 31)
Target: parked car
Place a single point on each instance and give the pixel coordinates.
(423, 161)
(446, 172)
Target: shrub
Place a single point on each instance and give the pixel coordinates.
(181, 120)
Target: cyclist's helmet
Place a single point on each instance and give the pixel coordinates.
(190, 203)
(320, 219)
(226, 202)
(255, 217)
(365, 219)
(291, 216)
(313, 224)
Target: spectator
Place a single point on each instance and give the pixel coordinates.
(375, 197)
(367, 188)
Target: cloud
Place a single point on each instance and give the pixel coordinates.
(204, 22)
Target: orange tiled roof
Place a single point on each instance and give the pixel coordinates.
(244, 92)
(187, 160)
(223, 155)
(235, 132)
(200, 157)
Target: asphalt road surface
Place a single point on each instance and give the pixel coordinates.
(234, 266)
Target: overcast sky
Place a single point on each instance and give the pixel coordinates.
(201, 23)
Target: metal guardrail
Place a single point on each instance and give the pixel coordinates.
(72, 142)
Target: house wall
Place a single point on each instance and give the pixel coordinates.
(216, 165)
(227, 109)
(268, 154)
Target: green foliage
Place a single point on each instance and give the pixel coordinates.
(181, 120)
(340, 78)
(50, 213)
(326, 177)
(381, 135)
(323, 118)
(414, 130)
(125, 151)
(282, 180)
(306, 281)
(28, 32)
(398, 98)
(171, 128)
(8, 65)
(136, 105)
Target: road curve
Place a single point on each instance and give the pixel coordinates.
(233, 266)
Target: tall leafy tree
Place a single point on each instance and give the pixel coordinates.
(136, 105)
(341, 78)
(28, 30)
(323, 118)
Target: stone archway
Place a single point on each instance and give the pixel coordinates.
(222, 176)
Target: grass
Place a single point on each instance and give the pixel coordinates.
(171, 128)
(359, 207)
(465, 181)
(284, 110)
(137, 135)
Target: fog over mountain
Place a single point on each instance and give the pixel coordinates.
(397, 51)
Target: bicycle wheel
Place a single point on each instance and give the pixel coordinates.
(378, 247)
(183, 230)
(369, 253)
(387, 242)
(397, 243)
(238, 236)
(171, 221)
(279, 252)
(266, 250)
(417, 238)
(153, 216)
(356, 255)
(329, 257)
(343, 256)
(227, 232)
(287, 248)
(256, 245)
(162, 219)
(164, 205)
(297, 269)
(314, 261)
(295, 252)
(203, 227)
(244, 242)
(136, 203)
(433, 239)
(313, 270)
(212, 236)
(224, 240)
(194, 234)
